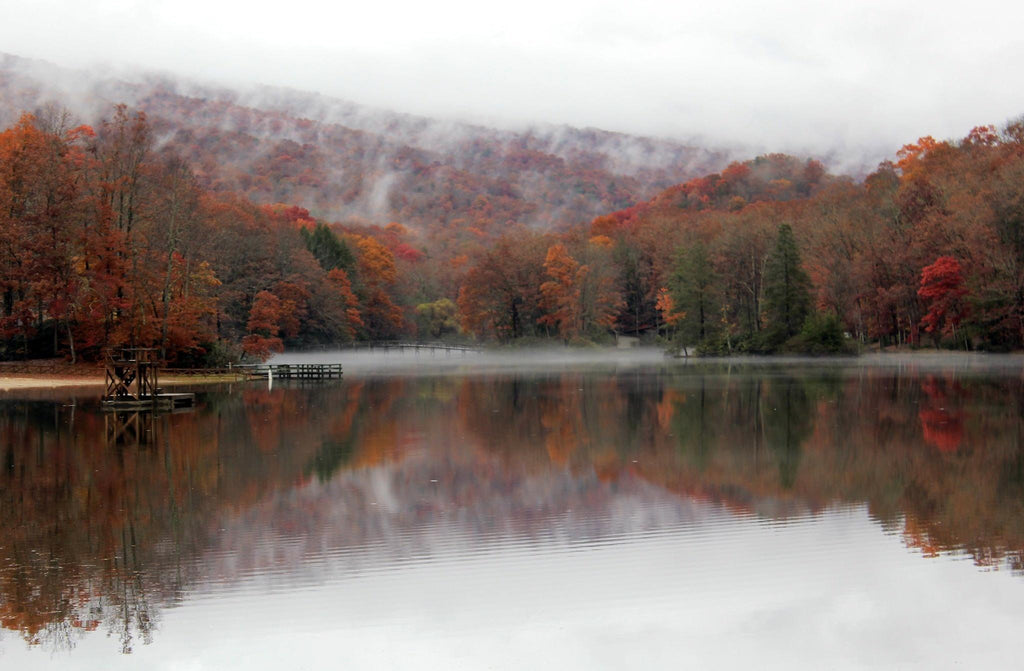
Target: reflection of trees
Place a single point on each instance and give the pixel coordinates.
(784, 441)
(71, 530)
(581, 421)
(103, 536)
(788, 422)
(694, 424)
(339, 444)
(941, 424)
(100, 535)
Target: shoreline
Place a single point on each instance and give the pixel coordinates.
(22, 381)
(19, 382)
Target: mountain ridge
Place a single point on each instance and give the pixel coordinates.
(345, 161)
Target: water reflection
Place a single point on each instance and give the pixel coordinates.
(107, 520)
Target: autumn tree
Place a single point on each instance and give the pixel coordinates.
(1001, 289)
(437, 318)
(173, 233)
(382, 319)
(580, 299)
(742, 250)
(107, 238)
(122, 146)
(562, 291)
(41, 203)
(264, 319)
(500, 294)
(252, 250)
(669, 313)
(884, 267)
(942, 286)
(339, 310)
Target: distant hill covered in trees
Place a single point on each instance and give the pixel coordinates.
(208, 227)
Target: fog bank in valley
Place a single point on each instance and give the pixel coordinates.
(848, 82)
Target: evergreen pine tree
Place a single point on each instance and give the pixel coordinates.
(787, 289)
(694, 291)
(330, 250)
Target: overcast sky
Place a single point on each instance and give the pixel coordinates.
(863, 76)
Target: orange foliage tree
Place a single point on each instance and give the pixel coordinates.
(338, 280)
(381, 318)
(580, 300)
(500, 294)
(562, 293)
(264, 325)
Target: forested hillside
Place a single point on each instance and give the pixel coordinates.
(177, 229)
(343, 162)
(927, 248)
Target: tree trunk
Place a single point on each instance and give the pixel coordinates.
(71, 339)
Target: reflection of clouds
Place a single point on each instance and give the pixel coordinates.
(725, 592)
(384, 517)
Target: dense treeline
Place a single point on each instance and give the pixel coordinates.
(775, 253)
(926, 249)
(107, 238)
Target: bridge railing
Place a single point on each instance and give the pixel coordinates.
(392, 345)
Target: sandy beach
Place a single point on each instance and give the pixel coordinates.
(26, 382)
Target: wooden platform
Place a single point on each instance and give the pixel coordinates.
(292, 371)
(131, 376)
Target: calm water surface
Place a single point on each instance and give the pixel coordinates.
(489, 514)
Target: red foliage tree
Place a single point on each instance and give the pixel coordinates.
(942, 285)
(264, 319)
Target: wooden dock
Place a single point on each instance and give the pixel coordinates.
(291, 371)
(159, 401)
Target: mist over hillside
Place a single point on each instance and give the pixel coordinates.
(347, 162)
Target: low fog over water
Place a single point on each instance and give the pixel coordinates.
(426, 361)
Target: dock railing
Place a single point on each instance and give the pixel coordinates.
(405, 345)
(291, 371)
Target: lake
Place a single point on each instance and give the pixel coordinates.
(519, 510)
